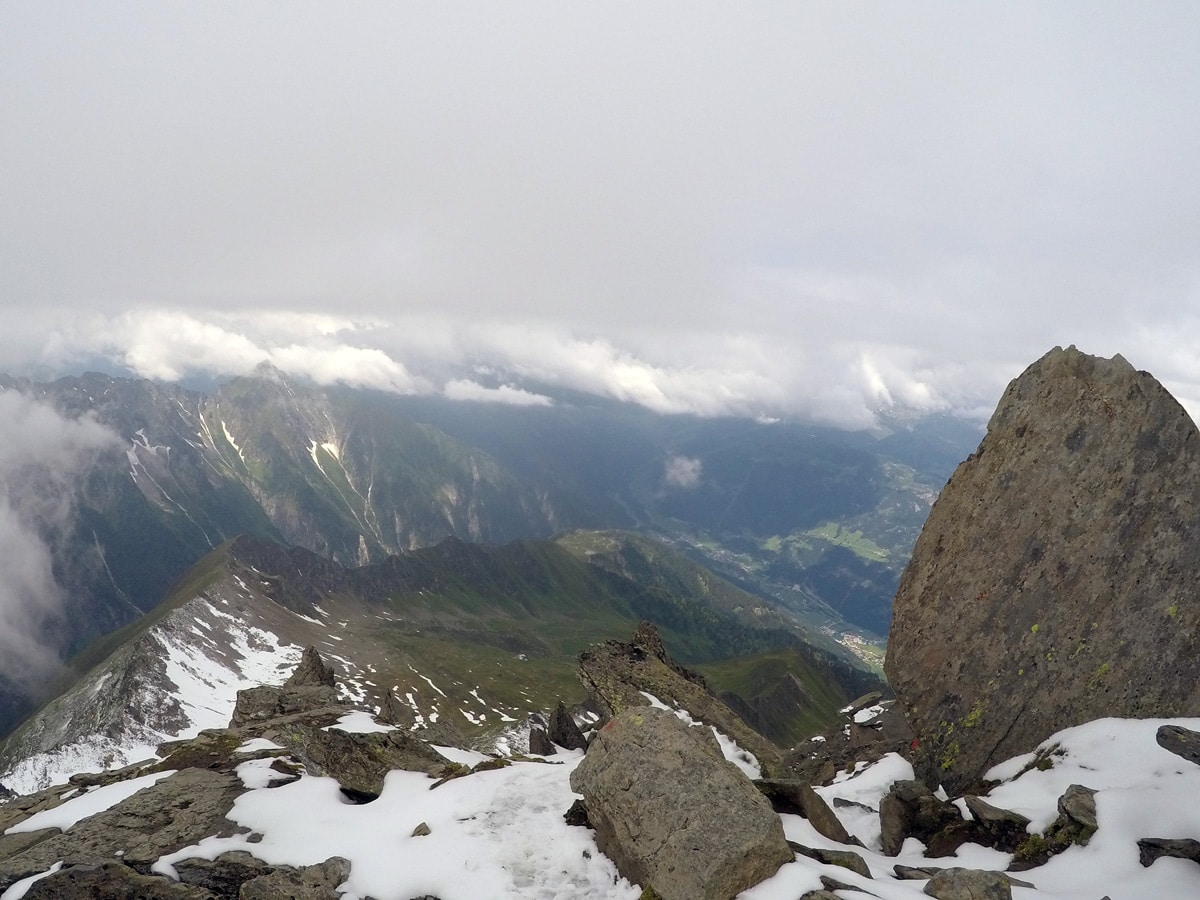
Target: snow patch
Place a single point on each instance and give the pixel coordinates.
(86, 805)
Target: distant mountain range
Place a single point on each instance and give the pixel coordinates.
(815, 523)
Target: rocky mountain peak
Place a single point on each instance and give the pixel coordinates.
(312, 670)
(1053, 582)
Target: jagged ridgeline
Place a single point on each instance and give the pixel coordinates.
(470, 638)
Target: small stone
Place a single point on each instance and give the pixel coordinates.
(421, 830)
(1078, 803)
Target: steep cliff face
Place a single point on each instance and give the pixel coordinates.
(1055, 580)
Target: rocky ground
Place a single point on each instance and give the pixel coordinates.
(304, 796)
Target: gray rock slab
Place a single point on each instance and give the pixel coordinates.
(673, 814)
(1181, 741)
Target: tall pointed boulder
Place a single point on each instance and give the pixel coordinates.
(1055, 581)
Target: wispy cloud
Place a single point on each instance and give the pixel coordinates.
(683, 472)
(42, 456)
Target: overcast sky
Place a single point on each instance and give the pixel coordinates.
(752, 208)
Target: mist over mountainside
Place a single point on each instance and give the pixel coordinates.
(819, 520)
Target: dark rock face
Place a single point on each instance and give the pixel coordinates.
(311, 670)
(1151, 849)
(563, 730)
(395, 712)
(673, 814)
(910, 809)
(1181, 741)
(540, 744)
(798, 798)
(1053, 582)
(113, 880)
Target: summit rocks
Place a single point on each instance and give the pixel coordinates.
(672, 813)
(1054, 581)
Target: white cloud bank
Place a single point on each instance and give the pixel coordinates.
(749, 209)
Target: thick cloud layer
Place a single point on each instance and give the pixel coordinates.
(810, 209)
(42, 454)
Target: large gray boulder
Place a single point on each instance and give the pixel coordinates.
(1054, 581)
(672, 813)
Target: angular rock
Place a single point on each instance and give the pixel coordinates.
(563, 730)
(395, 712)
(673, 814)
(1086, 486)
(1180, 741)
(1150, 849)
(862, 703)
(540, 743)
(173, 813)
(422, 830)
(847, 859)
(577, 815)
(1005, 830)
(113, 881)
(615, 673)
(909, 809)
(261, 704)
(223, 876)
(969, 884)
(312, 670)
(1078, 803)
(798, 798)
(915, 873)
(358, 761)
(317, 882)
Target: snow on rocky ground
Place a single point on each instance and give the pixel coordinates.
(500, 833)
(203, 672)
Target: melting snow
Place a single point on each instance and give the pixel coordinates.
(743, 759)
(359, 722)
(232, 442)
(97, 800)
(492, 834)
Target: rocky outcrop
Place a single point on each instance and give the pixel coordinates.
(672, 813)
(312, 670)
(563, 730)
(175, 812)
(1053, 582)
(358, 761)
(616, 673)
(909, 809)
